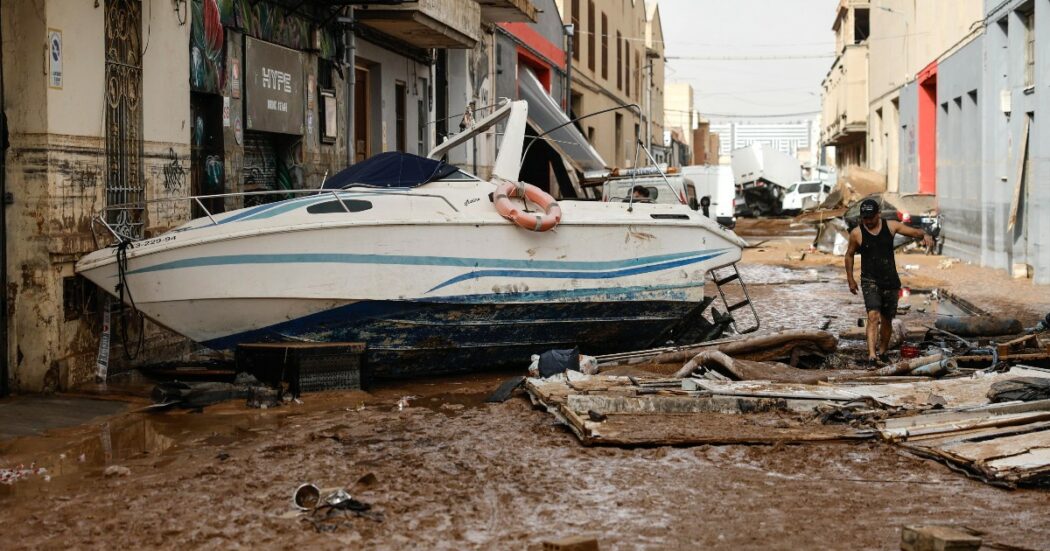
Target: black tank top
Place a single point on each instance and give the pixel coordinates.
(876, 258)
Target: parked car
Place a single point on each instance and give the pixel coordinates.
(918, 210)
(803, 195)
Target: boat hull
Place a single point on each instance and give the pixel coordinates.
(424, 338)
(428, 289)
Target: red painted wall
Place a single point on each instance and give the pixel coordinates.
(538, 66)
(524, 32)
(927, 79)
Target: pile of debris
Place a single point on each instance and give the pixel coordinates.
(992, 423)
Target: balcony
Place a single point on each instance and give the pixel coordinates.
(852, 23)
(426, 24)
(845, 109)
(508, 11)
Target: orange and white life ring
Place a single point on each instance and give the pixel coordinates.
(531, 221)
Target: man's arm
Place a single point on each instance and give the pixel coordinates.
(908, 231)
(851, 250)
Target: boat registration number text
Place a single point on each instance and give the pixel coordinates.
(157, 240)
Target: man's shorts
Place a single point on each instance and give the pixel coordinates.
(880, 299)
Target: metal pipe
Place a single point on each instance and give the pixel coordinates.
(649, 107)
(570, 33)
(350, 56)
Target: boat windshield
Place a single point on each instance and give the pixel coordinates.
(659, 192)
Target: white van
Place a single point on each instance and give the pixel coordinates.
(802, 196)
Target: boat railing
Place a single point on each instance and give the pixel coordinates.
(101, 219)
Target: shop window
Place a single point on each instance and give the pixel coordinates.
(328, 111)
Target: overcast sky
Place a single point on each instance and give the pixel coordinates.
(751, 28)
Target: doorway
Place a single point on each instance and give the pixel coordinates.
(362, 106)
(1019, 215)
(928, 129)
(206, 152)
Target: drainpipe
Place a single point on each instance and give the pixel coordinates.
(350, 56)
(649, 108)
(570, 32)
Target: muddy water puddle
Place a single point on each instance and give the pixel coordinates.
(788, 298)
(151, 440)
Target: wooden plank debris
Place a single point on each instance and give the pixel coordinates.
(951, 419)
(1006, 444)
(937, 538)
(572, 543)
(615, 411)
(1019, 180)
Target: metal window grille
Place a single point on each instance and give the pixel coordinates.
(124, 150)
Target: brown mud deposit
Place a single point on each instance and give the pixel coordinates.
(452, 472)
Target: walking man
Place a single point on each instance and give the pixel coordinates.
(878, 272)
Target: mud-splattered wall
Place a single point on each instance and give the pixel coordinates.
(56, 171)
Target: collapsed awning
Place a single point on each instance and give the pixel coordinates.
(545, 114)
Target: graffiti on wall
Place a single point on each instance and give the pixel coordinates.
(174, 174)
(256, 18)
(82, 175)
(275, 24)
(207, 48)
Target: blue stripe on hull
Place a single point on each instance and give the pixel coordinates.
(424, 338)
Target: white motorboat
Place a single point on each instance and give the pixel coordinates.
(431, 277)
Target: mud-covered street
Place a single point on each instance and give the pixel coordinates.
(449, 471)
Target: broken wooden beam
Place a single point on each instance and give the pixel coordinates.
(937, 538)
(572, 543)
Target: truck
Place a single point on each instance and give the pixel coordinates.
(762, 175)
(715, 183)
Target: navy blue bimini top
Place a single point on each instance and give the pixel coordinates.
(392, 169)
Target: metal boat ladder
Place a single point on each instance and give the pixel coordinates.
(731, 308)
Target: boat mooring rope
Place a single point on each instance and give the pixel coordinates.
(121, 289)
